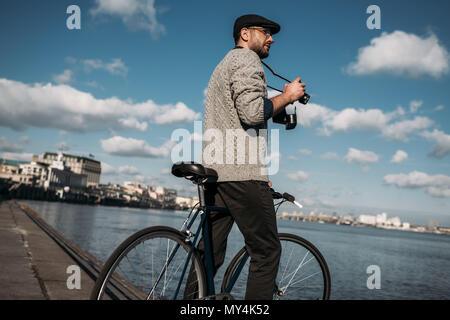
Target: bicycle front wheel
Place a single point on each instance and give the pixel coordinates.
(302, 274)
(152, 264)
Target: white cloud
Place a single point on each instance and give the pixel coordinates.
(417, 179)
(442, 143)
(402, 53)
(305, 152)
(64, 77)
(135, 14)
(313, 113)
(133, 123)
(168, 114)
(360, 157)
(66, 108)
(299, 176)
(128, 170)
(94, 84)
(330, 156)
(401, 130)
(24, 140)
(129, 147)
(166, 171)
(107, 169)
(17, 156)
(317, 203)
(63, 146)
(439, 192)
(116, 66)
(399, 156)
(439, 108)
(70, 60)
(348, 119)
(8, 146)
(308, 202)
(435, 185)
(414, 106)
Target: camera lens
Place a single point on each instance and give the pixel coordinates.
(304, 99)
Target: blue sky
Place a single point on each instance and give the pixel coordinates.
(137, 70)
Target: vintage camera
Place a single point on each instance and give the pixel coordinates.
(290, 120)
(304, 99)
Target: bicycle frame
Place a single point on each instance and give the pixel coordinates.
(206, 232)
(204, 228)
(237, 272)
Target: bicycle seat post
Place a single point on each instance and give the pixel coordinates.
(201, 194)
(207, 238)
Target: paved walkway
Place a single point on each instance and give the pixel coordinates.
(32, 264)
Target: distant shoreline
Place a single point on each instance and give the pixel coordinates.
(413, 228)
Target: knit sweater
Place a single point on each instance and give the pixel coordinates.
(235, 122)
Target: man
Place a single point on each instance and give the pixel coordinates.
(236, 101)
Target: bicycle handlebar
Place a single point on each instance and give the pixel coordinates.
(285, 195)
(288, 197)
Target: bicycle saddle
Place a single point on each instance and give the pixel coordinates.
(194, 171)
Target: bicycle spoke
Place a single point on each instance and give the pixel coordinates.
(287, 264)
(150, 267)
(298, 281)
(298, 268)
(302, 272)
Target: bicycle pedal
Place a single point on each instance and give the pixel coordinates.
(220, 296)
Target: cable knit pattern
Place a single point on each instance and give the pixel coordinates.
(235, 104)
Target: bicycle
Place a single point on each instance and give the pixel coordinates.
(154, 263)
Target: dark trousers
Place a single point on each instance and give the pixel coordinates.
(250, 204)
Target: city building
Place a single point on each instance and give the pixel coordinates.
(170, 196)
(31, 173)
(394, 222)
(381, 218)
(59, 175)
(34, 173)
(134, 187)
(184, 202)
(366, 219)
(9, 169)
(80, 165)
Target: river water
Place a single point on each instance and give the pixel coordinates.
(412, 265)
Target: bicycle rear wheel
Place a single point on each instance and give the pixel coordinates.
(150, 265)
(302, 274)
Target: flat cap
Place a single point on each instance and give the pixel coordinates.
(249, 20)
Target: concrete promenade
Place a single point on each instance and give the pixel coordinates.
(33, 262)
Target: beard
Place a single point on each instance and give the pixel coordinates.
(260, 50)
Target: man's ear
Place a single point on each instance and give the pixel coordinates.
(245, 34)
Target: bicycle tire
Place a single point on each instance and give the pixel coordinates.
(319, 287)
(120, 281)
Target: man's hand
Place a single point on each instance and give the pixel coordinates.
(294, 90)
